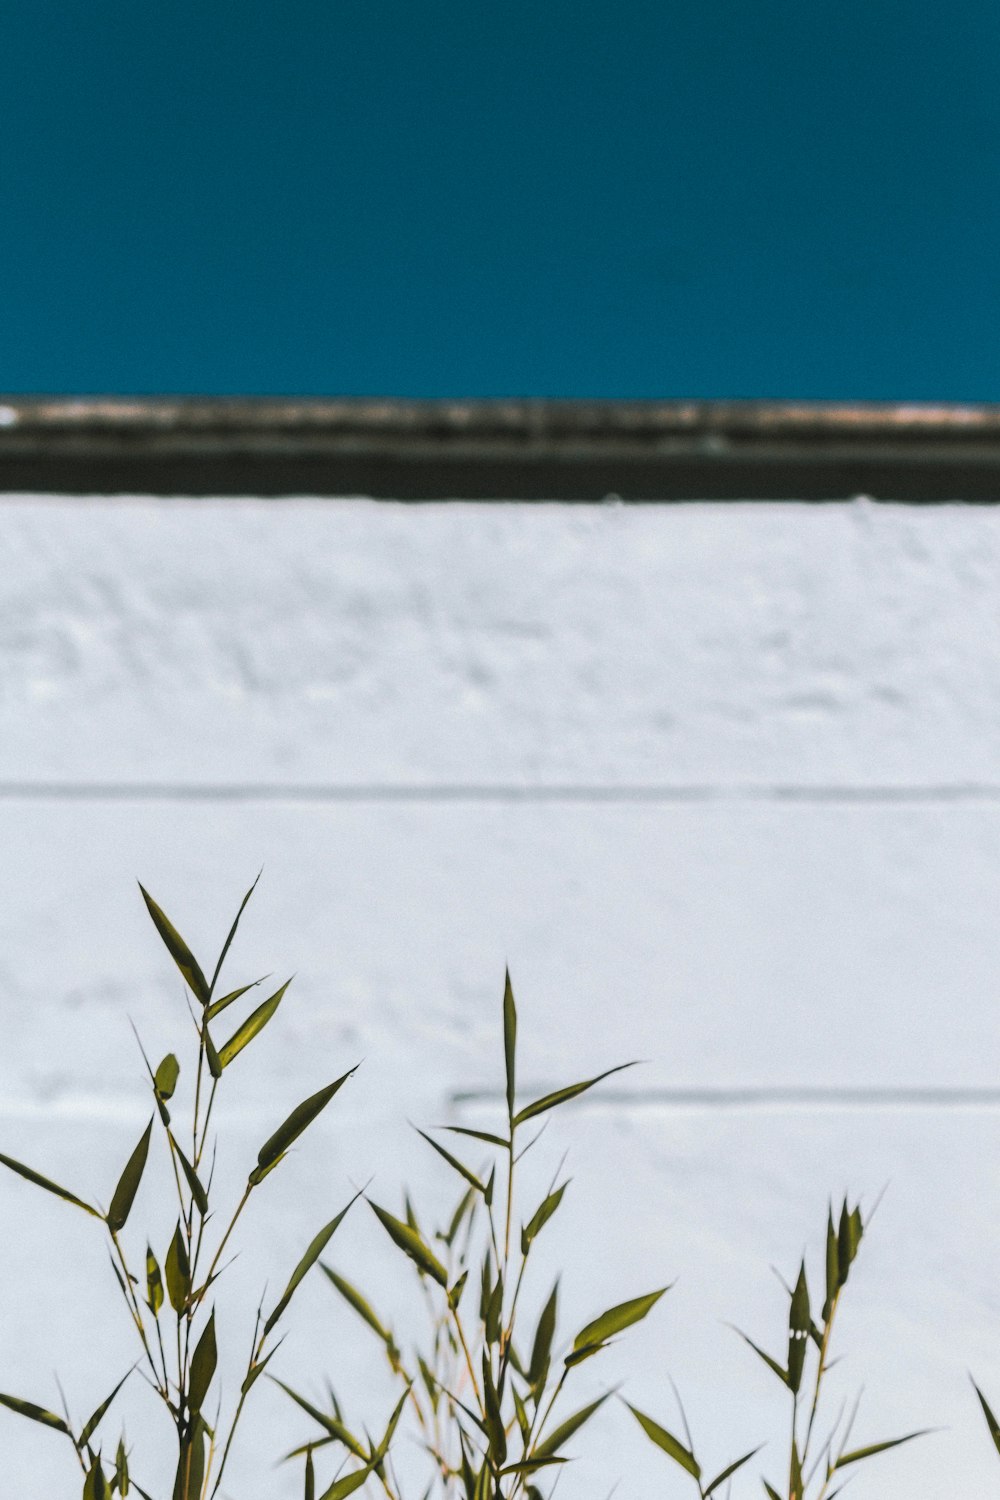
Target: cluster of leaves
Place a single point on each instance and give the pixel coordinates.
(179, 1362)
(811, 1462)
(816, 1465)
(484, 1403)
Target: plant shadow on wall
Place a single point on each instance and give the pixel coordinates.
(171, 1308)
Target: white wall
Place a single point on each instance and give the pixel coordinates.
(721, 783)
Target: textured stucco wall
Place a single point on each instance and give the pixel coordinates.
(720, 782)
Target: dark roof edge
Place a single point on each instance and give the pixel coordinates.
(499, 449)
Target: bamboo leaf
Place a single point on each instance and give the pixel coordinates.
(315, 1249)
(256, 1370)
(495, 1429)
(30, 1175)
(541, 1217)
(341, 1488)
(211, 1056)
(36, 1413)
(991, 1421)
(477, 1135)
(166, 1076)
(859, 1453)
(197, 1191)
(203, 1364)
(178, 950)
(92, 1424)
(542, 1347)
(251, 1027)
(453, 1162)
(310, 1490)
(331, 1425)
(616, 1319)
(290, 1129)
(772, 1364)
(121, 1469)
(509, 1041)
(799, 1320)
(562, 1096)
(128, 1183)
(352, 1296)
(672, 1446)
(178, 1272)
(154, 1283)
(562, 1434)
(411, 1243)
(390, 1431)
(232, 931)
(218, 1006)
(729, 1471)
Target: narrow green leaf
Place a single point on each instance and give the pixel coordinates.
(477, 1135)
(310, 1490)
(531, 1466)
(50, 1187)
(232, 931)
(121, 1469)
(198, 1192)
(411, 1243)
(390, 1431)
(178, 950)
(309, 1259)
(352, 1296)
(453, 1162)
(455, 1292)
(331, 1425)
(36, 1413)
(542, 1347)
(178, 1272)
(991, 1421)
(218, 1006)
(128, 1183)
(541, 1217)
(729, 1471)
(493, 1322)
(772, 1364)
(832, 1266)
(666, 1440)
(772, 1493)
(92, 1424)
(795, 1473)
(256, 1371)
(495, 1430)
(166, 1076)
(290, 1129)
(562, 1096)
(251, 1027)
(341, 1488)
(203, 1364)
(562, 1434)
(859, 1453)
(616, 1319)
(211, 1056)
(799, 1319)
(509, 1041)
(848, 1240)
(95, 1486)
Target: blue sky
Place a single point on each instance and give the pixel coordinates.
(789, 198)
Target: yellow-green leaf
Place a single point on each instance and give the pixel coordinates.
(128, 1183)
(617, 1318)
(562, 1096)
(178, 1272)
(410, 1241)
(290, 1129)
(666, 1440)
(36, 1413)
(309, 1259)
(254, 1023)
(562, 1434)
(178, 949)
(30, 1175)
(203, 1365)
(509, 1041)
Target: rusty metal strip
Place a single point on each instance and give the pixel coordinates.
(496, 450)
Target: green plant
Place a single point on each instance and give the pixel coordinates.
(483, 1405)
(180, 1364)
(814, 1465)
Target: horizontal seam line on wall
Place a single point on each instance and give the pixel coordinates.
(774, 1098)
(269, 792)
